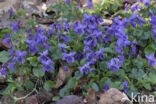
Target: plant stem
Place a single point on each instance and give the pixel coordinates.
(21, 98)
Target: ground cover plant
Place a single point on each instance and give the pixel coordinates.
(120, 55)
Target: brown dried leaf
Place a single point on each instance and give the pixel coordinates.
(113, 96)
(31, 100)
(31, 8)
(91, 98)
(2, 78)
(62, 75)
(72, 99)
(51, 2)
(130, 1)
(5, 99)
(19, 95)
(106, 22)
(44, 97)
(7, 4)
(5, 23)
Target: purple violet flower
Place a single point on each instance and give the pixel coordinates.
(89, 4)
(62, 47)
(125, 84)
(79, 28)
(67, 1)
(20, 56)
(99, 54)
(65, 68)
(11, 12)
(63, 37)
(85, 68)
(43, 56)
(114, 64)
(69, 57)
(145, 2)
(14, 27)
(7, 39)
(106, 87)
(47, 65)
(133, 48)
(3, 69)
(11, 66)
(151, 59)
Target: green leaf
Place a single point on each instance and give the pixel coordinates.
(83, 61)
(138, 62)
(64, 91)
(133, 73)
(152, 78)
(149, 50)
(29, 84)
(142, 43)
(4, 56)
(56, 98)
(48, 85)
(10, 89)
(147, 86)
(38, 72)
(78, 75)
(71, 83)
(103, 65)
(116, 84)
(33, 61)
(108, 50)
(95, 87)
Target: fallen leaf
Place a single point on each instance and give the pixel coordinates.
(31, 9)
(62, 75)
(129, 1)
(44, 97)
(5, 99)
(2, 78)
(7, 4)
(91, 98)
(113, 96)
(71, 99)
(106, 22)
(18, 95)
(31, 100)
